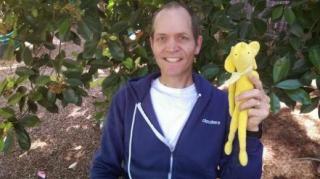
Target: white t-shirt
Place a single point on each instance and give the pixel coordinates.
(172, 107)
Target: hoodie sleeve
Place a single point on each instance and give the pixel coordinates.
(230, 167)
(107, 161)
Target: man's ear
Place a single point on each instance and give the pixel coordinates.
(228, 65)
(255, 47)
(151, 42)
(198, 45)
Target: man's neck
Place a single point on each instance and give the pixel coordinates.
(176, 82)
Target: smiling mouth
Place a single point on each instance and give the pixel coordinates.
(172, 60)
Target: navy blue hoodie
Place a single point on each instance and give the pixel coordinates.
(133, 144)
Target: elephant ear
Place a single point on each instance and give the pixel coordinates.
(255, 47)
(228, 65)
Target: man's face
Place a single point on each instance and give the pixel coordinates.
(173, 43)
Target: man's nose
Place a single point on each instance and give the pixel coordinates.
(172, 45)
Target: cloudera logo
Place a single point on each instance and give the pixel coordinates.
(211, 122)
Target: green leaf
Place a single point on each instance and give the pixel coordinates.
(22, 103)
(1, 143)
(111, 80)
(299, 95)
(34, 12)
(128, 63)
(99, 116)
(295, 42)
(310, 107)
(119, 27)
(51, 97)
(22, 89)
(7, 112)
(64, 29)
(116, 50)
(24, 71)
(84, 30)
(275, 103)
(27, 56)
(80, 92)
(244, 30)
(142, 52)
(92, 20)
(314, 56)
(71, 73)
(281, 69)
(20, 80)
(29, 121)
(289, 15)
(74, 82)
(277, 12)
(35, 95)
(58, 61)
(307, 77)
(3, 85)
(90, 48)
(209, 71)
(141, 72)
(69, 96)
(289, 84)
(42, 80)
(260, 25)
(15, 98)
(8, 141)
(296, 30)
(32, 106)
(23, 137)
(75, 38)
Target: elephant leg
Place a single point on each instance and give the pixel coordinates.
(232, 130)
(242, 132)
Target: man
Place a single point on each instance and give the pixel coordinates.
(174, 124)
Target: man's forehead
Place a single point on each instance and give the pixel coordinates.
(177, 17)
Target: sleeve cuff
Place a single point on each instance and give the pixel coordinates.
(257, 134)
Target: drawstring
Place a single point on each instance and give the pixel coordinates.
(130, 139)
(155, 131)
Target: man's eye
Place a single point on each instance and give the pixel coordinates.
(161, 39)
(183, 38)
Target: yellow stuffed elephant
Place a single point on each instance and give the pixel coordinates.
(241, 63)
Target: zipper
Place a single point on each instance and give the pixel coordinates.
(171, 163)
(161, 137)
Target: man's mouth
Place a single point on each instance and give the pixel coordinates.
(172, 59)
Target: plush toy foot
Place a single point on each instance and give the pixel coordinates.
(243, 158)
(228, 148)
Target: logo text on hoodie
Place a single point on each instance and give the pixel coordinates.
(210, 122)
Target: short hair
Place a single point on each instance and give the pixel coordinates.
(195, 24)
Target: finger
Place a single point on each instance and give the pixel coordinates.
(256, 82)
(251, 103)
(254, 93)
(258, 113)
